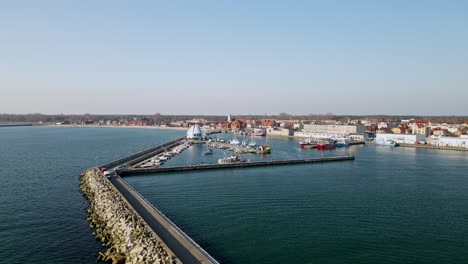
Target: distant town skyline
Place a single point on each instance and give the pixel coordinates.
(243, 57)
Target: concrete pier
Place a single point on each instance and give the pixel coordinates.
(131, 171)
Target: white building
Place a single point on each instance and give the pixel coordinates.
(461, 142)
(401, 138)
(279, 131)
(333, 130)
(195, 133)
(359, 137)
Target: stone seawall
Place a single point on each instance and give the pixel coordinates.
(118, 226)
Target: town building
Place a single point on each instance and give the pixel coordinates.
(440, 132)
(461, 141)
(195, 133)
(420, 128)
(358, 137)
(280, 131)
(401, 138)
(267, 123)
(334, 130)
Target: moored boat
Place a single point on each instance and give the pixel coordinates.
(208, 151)
(264, 149)
(326, 145)
(342, 142)
(257, 133)
(307, 144)
(387, 142)
(232, 159)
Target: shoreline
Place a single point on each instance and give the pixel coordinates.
(147, 127)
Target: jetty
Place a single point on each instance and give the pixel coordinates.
(14, 125)
(134, 230)
(131, 171)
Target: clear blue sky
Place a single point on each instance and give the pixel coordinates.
(219, 57)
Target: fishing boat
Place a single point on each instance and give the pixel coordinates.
(326, 145)
(208, 151)
(308, 143)
(264, 149)
(257, 133)
(387, 142)
(232, 159)
(342, 142)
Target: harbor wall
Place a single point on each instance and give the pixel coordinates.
(131, 171)
(141, 155)
(424, 146)
(118, 226)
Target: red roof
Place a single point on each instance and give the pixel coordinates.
(420, 121)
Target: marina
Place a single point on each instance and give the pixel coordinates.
(219, 208)
(166, 234)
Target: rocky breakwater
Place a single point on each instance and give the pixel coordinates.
(127, 237)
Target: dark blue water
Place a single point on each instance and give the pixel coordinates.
(43, 218)
(390, 205)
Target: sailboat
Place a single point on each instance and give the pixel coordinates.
(234, 141)
(252, 143)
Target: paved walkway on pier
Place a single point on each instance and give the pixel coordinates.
(186, 250)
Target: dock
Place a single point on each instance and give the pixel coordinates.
(132, 171)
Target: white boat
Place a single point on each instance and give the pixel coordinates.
(234, 141)
(387, 142)
(208, 151)
(342, 142)
(233, 159)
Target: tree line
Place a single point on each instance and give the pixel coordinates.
(159, 118)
